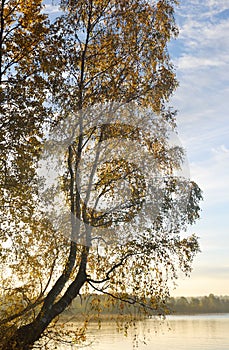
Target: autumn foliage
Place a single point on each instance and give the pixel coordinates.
(55, 75)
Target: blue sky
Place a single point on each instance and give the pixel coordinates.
(201, 58)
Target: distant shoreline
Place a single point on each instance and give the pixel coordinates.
(128, 317)
(99, 306)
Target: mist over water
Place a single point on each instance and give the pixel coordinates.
(199, 332)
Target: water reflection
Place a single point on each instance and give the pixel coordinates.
(206, 332)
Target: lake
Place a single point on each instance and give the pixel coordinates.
(200, 332)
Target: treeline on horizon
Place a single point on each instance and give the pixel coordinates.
(199, 305)
(101, 304)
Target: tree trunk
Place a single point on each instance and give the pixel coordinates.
(25, 336)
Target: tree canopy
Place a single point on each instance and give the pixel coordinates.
(93, 197)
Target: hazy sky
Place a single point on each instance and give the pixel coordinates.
(201, 57)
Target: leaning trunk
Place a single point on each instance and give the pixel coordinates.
(25, 336)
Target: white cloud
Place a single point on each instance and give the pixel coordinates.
(222, 150)
(203, 72)
(51, 9)
(190, 62)
(203, 39)
(202, 8)
(212, 175)
(202, 60)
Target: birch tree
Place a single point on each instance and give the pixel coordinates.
(112, 221)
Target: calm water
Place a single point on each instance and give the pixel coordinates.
(207, 332)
